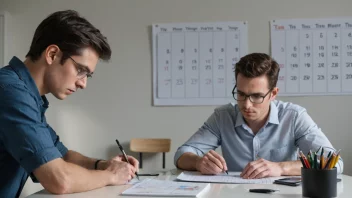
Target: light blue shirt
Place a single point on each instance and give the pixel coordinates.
(288, 127)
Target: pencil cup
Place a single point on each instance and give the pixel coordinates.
(319, 183)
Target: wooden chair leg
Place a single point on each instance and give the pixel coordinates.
(163, 160)
(140, 160)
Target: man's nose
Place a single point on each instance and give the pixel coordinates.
(247, 102)
(82, 83)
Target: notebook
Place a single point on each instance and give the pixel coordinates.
(154, 187)
(232, 178)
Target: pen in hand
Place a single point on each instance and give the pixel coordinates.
(124, 155)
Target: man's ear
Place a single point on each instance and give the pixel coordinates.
(274, 93)
(51, 54)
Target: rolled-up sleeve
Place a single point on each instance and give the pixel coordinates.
(206, 138)
(309, 136)
(25, 136)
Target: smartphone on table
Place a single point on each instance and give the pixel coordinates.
(293, 181)
(290, 181)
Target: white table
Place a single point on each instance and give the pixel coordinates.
(344, 189)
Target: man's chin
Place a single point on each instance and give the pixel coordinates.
(60, 96)
(249, 116)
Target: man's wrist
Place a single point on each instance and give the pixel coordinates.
(290, 168)
(96, 164)
(283, 168)
(196, 160)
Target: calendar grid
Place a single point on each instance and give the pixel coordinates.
(315, 56)
(198, 56)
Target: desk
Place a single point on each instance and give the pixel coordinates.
(217, 190)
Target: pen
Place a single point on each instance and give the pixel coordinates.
(148, 174)
(262, 190)
(124, 155)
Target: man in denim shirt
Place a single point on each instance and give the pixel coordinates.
(63, 54)
(260, 135)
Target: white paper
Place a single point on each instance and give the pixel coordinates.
(154, 187)
(315, 56)
(193, 62)
(233, 178)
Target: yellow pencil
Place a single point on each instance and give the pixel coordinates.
(337, 158)
(332, 161)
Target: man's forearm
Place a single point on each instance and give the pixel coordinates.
(81, 180)
(79, 159)
(188, 161)
(61, 177)
(291, 168)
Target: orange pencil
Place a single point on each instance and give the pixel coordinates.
(322, 162)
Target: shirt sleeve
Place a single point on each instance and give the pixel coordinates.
(56, 139)
(206, 138)
(26, 137)
(308, 136)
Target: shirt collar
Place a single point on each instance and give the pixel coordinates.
(21, 70)
(273, 115)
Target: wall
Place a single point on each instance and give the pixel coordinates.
(117, 102)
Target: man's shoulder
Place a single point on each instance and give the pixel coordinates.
(229, 108)
(9, 77)
(288, 107)
(12, 88)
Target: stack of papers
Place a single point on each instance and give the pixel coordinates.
(231, 178)
(154, 187)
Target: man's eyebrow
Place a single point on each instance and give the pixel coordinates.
(259, 93)
(85, 67)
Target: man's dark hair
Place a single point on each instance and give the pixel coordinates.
(71, 33)
(258, 64)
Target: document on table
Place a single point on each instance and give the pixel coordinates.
(232, 178)
(154, 187)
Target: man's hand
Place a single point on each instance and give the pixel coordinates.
(134, 162)
(211, 163)
(123, 172)
(262, 168)
(104, 164)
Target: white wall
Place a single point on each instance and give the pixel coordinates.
(117, 102)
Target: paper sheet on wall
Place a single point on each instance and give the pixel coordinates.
(315, 56)
(233, 178)
(193, 63)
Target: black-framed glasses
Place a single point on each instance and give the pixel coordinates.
(82, 71)
(254, 98)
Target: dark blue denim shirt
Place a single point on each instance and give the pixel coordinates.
(26, 140)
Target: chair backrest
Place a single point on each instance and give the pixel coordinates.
(150, 145)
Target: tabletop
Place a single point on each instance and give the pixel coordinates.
(216, 189)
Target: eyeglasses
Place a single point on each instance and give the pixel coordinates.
(82, 71)
(254, 98)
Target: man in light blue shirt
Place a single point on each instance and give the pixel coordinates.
(260, 135)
